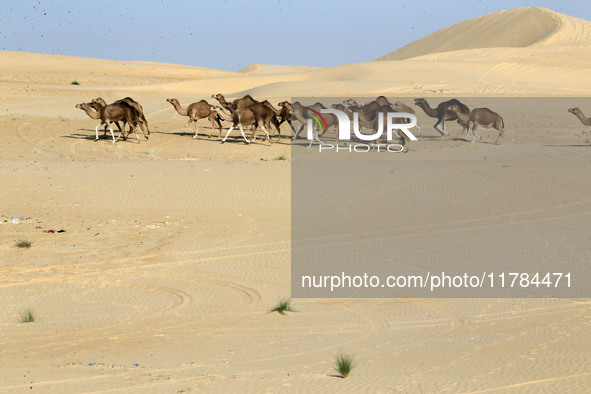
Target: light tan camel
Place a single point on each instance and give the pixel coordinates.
(256, 115)
(196, 111)
(113, 113)
(480, 117)
(584, 120)
(138, 107)
(442, 114)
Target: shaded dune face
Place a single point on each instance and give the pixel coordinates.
(515, 28)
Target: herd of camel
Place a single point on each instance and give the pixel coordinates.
(248, 112)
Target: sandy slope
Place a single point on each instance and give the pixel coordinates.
(175, 248)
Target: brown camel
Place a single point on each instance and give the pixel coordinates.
(300, 113)
(584, 120)
(442, 114)
(113, 113)
(480, 117)
(373, 123)
(236, 104)
(368, 109)
(285, 112)
(276, 113)
(196, 111)
(399, 106)
(134, 104)
(87, 109)
(256, 115)
(134, 115)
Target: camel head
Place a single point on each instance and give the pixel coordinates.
(217, 96)
(574, 110)
(172, 100)
(80, 105)
(95, 105)
(285, 104)
(340, 107)
(350, 103)
(421, 102)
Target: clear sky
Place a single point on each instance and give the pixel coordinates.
(230, 35)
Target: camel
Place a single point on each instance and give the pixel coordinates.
(257, 115)
(285, 112)
(373, 123)
(96, 105)
(274, 120)
(368, 109)
(196, 111)
(236, 104)
(480, 117)
(442, 114)
(300, 114)
(87, 109)
(579, 114)
(113, 113)
(399, 106)
(134, 104)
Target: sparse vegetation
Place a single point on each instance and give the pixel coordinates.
(283, 306)
(27, 316)
(344, 364)
(23, 244)
(281, 158)
(74, 83)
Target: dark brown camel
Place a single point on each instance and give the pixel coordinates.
(442, 113)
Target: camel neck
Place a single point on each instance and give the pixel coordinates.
(586, 121)
(92, 113)
(182, 111)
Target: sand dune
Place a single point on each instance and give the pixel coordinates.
(274, 69)
(517, 28)
(176, 248)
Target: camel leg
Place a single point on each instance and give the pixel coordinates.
(219, 127)
(196, 129)
(440, 126)
(112, 135)
(268, 136)
(297, 133)
(473, 128)
(211, 120)
(145, 121)
(501, 134)
(228, 133)
(242, 132)
(121, 132)
(96, 129)
(278, 127)
(316, 137)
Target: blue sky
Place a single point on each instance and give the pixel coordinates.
(230, 35)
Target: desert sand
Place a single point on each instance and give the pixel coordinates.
(175, 249)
